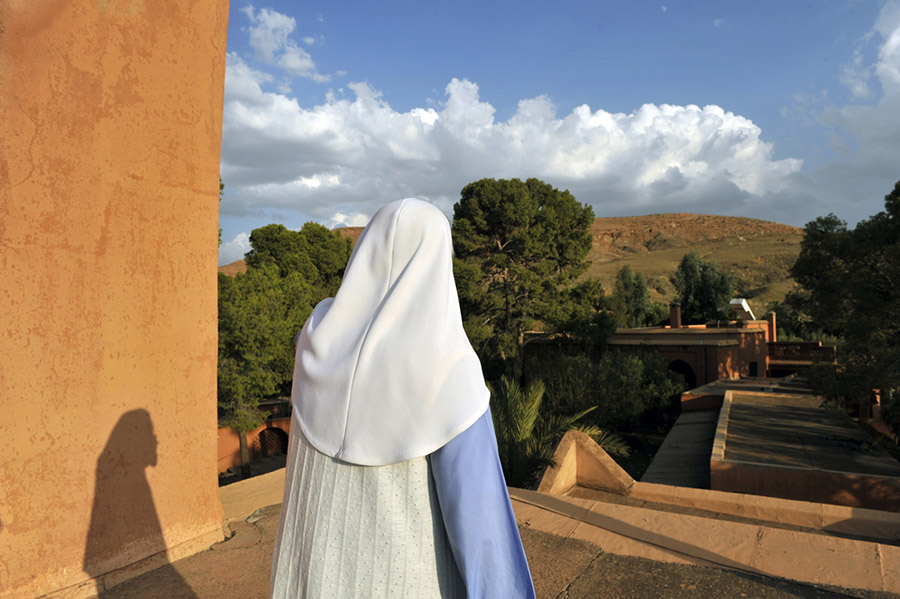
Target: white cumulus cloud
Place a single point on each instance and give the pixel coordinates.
(235, 249)
(351, 155)
(270, 37)
(342, 219)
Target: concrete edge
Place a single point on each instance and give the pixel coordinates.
(244, 497)
(579, 460)
(561, 476)
(862, 522)
(718, 451)
(676, 538)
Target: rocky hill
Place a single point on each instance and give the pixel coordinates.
(758, 253)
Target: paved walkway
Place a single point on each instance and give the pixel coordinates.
(683, 458)
(564, 564)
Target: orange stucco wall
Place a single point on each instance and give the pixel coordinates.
(110, 131)
(229, 445)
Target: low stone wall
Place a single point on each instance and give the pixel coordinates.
(801, 484)
(580, 461)
(795, 482)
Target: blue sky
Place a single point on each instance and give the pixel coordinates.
(777, 110)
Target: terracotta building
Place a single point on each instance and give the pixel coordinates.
(705, 353)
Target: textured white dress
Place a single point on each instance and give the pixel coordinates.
(352, 531)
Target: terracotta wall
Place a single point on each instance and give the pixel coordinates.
(820, 486)
(732, 362)
(229, 445)
(110, 131)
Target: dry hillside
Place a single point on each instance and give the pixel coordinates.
(233, 268)
(757, 252)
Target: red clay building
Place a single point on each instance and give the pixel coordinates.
(705, 353)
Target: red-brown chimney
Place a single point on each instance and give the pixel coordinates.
(675, 315)
(773, 332)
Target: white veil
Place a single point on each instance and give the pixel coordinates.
(384, 371)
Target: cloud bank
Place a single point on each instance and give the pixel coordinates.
(339, 161)
(354, 154)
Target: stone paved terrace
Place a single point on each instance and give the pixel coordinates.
(563, 565)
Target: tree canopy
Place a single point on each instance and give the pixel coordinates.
(259, 315)
(704, 289)
(261, 311)
(316, 253)
(850, 282)
(519, 246)
(631, 390)
(631, 303)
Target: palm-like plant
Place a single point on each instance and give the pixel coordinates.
(526, 440)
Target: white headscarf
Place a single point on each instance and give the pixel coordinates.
(384, 371)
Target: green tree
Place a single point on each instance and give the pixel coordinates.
(259, 315)
(630, 301)
(519, 246)
(261, 311)
(314, 252)
(850, 282)
(629, 391)
(704, 289)
(794, 325)
(527, 439)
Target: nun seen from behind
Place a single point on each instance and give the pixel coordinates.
(393, 486)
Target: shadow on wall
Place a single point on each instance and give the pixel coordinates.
(124, 526)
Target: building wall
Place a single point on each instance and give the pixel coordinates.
(804, 484)
(229, 444)
(110, 121)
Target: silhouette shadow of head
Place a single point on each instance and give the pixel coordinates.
(124, 525)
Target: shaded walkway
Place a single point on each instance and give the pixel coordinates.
(683, 458)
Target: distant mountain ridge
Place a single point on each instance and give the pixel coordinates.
(758, 253)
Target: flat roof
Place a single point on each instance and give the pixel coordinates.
(683, 458)
(796, 432)
(785, 385)
(692, 331)
(674, 341)
(715, 336)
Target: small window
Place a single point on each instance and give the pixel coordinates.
(754, 369)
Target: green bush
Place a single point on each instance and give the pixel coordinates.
(527, 436)
(629, 391)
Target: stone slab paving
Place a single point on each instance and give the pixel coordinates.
(562, 568)
(567, 559)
